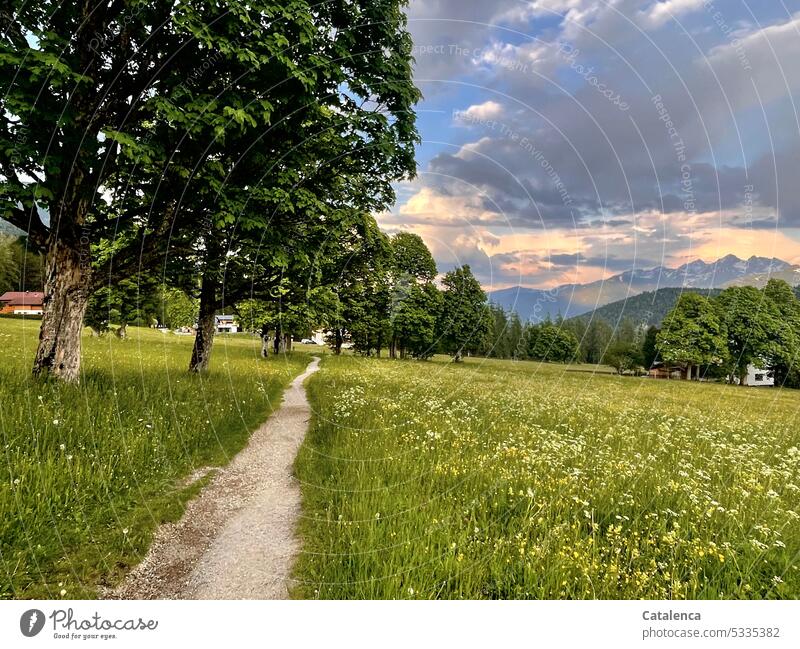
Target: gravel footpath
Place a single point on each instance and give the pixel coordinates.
(236, 539)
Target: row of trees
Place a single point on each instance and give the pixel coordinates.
(378, 292)
(509, 337)
(744, 325)
(565, 341)
(715, 337)
(231, 151)
(21, 269)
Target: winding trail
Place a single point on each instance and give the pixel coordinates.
(236, 539)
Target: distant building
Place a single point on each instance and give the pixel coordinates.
(661, 371)
(22, 302)
(226, 324)
(756, 376)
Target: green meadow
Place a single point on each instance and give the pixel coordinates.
(500, 479)
(89, 471)
(485, 479)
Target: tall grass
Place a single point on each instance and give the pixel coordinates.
(87, 472)
(520, 480)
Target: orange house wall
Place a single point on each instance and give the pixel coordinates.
(7, 308)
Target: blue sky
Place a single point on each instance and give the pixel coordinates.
(629, 133)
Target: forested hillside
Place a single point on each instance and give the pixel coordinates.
(644, 309)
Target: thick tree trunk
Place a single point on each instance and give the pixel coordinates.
(279, 343)
(339, 339)
(122, 332)
(264, 341)
(204, 338)
(66, 294)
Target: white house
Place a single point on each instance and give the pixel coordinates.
(757, 376)
(318, 338)
(226, 324)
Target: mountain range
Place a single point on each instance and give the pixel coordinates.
(569, 300)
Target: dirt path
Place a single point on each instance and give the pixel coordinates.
(236, 540)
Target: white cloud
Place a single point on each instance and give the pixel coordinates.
(661, 12)
(488, 110)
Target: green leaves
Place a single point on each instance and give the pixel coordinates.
(239, 115)
(693, 332)
(234, 140)
(743, 326)
(464, 318)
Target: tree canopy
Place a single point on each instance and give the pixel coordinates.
(693, 333)
(138, 135)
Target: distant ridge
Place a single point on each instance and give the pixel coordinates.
(648, 308)
(571, 300)
(790, 275)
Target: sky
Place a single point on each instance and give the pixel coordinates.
(566, 141)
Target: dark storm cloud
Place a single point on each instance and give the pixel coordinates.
(609, 262)
(708, 125)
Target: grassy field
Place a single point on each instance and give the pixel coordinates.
(523, 480)
(88, 471)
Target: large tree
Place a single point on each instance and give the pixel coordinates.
(551, 342)
(83, 85)
(693, 334)
(98, 98)
(332, 151)
(465, 317)
(786, 363)
(357, 271)
(412, 258)
(624, 356)
(9, 270)
(753, 326)
(595, 340)
(414, 321)
(649, 348)
(413, 299)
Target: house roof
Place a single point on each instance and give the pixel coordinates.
(22, 298)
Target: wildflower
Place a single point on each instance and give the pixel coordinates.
(63, 447)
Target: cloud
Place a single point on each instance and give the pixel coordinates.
(662, 11)
(548, 154)
(488, 110)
